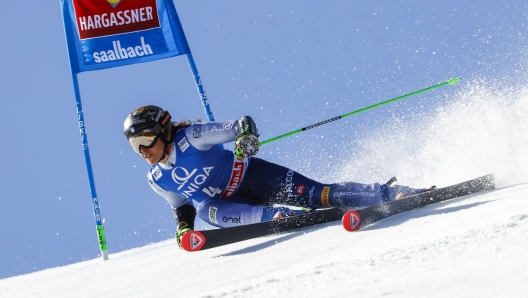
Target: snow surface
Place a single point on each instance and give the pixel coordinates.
(474, 246)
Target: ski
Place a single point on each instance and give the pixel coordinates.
(201, 240)
(354, 220)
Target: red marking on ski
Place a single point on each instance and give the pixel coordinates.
(193, 241)
(351, 221)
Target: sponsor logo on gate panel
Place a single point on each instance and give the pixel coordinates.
(98, 18)
(324, 196)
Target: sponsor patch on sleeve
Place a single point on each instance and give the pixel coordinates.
(156, 173)
(183, 145)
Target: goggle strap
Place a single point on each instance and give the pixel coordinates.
(157, 129)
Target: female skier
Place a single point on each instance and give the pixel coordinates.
(232, 188)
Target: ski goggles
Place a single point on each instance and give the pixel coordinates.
(146, 138)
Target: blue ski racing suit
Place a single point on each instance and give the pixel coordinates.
(230, 192)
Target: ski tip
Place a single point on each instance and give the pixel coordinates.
(193, 241)
(351, 221)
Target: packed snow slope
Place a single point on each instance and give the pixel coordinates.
(475, 246)
(470, 247)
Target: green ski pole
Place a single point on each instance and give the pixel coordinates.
(451, 81)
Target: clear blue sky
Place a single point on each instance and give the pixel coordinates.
(286, 63)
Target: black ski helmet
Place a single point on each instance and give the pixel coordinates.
(152, 117)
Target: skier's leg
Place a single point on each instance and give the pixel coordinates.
(221, 213)
(236, 212)
(269, 184)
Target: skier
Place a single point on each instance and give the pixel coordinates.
(232, 188)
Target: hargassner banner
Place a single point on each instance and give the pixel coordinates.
(111, 33)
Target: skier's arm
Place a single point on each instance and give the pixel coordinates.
(204, 135)
(185, 216)
(183, 208)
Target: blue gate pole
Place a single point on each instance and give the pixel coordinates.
(99, 225)
(199, 85)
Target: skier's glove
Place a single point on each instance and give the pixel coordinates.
(246, 142)
(246, 145)
(182, 228)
